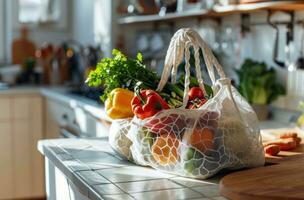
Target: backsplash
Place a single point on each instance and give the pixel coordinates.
(295, 83)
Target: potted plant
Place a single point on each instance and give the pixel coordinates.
(258, 84)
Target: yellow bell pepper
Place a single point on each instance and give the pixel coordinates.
(118, 104)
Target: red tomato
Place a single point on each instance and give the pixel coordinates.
(196, 92)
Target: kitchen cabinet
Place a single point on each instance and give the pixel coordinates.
(59, 115)
(52, 129)
(29, 115)
(74, 117)
(5, 113)
(6, 171)
(21, 126)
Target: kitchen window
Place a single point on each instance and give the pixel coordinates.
(38, 11)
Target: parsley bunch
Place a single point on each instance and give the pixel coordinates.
(121, 72)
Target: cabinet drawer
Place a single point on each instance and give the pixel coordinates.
(5, 108)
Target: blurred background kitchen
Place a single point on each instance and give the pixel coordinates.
(51, 42)
(48, 47)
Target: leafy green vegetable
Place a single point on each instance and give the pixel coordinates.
(121, 72)
(257, 83)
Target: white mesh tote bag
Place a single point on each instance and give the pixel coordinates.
(221, 134)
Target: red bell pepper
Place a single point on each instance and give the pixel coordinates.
(147, 103)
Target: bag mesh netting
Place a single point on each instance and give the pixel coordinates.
(221, 134)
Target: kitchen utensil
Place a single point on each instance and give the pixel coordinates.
(300, 61)
(289, 40)
(276, 44)
(22, 48)
(145, 7)
(166, 6)
(282, 178)
(186, 5)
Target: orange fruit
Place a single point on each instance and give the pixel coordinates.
(165, 149)
(201, 139)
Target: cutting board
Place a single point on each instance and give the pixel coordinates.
(281, 178)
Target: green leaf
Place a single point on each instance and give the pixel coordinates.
(139, 57)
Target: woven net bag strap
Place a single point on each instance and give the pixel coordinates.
(179, 48)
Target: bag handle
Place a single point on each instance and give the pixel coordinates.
(179, 46)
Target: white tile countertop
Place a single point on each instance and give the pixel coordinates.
(98, 173)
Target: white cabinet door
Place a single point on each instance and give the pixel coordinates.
(6, 161)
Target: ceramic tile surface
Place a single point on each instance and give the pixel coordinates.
(118, 197)
(92, 178)
(108, 189)
(100, 174)
(132, 173)
(148, 185)
(75, 165)
(208, 191)
(182, 193)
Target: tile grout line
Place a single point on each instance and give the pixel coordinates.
(112, 184)
(188, 187)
